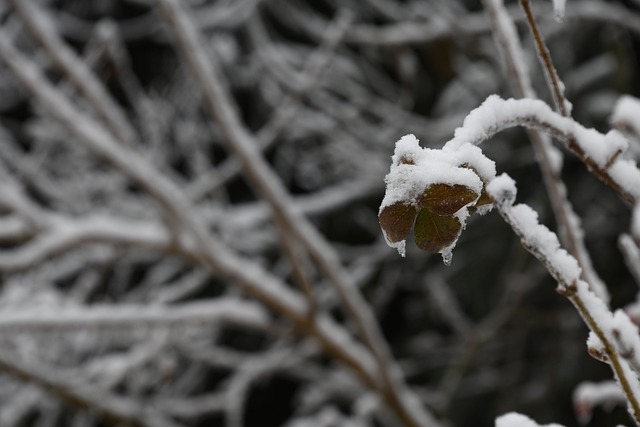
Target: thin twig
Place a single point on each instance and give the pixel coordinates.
(222, 107)
(582, 298)
(550, 72)
(41, 26)
(571, 235)
(199, 245)
(64, 385)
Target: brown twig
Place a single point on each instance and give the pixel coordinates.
(550, 72)
(512, 54)
(577, 295)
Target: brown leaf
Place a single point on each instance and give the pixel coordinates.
(445, 199)
(396, 221)
(435, 232)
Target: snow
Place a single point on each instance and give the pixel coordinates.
(496, 114)
(617, 328)
(599, 148)
(626, 335)
(538, 238)
(503, 190)
(400, 246)
(588, 395)
(626, 113)
(414, 168)
(596, 307)
(473, 156)
(558, 10)
(598, 393)
(513, 419)
(594, 343)
(102, 315)
(625, 172)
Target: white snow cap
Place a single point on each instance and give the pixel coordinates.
(627, 109)
(414, 168)
(513, 419)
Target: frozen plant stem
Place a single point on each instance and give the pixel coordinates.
(550, 72)
(601, 153)
(564, 107)
(577, 292)
(512, 54)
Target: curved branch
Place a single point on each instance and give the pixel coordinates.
(599, 152)
(571, 234)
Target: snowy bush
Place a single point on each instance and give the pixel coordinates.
(192, 195)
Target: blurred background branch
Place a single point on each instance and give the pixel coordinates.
(188, 214)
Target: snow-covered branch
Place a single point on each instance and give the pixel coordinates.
(125, 316)
(602, 153)
(188, 199)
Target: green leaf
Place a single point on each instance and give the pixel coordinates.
(396, 221)
(435, 232)
(445, 199)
